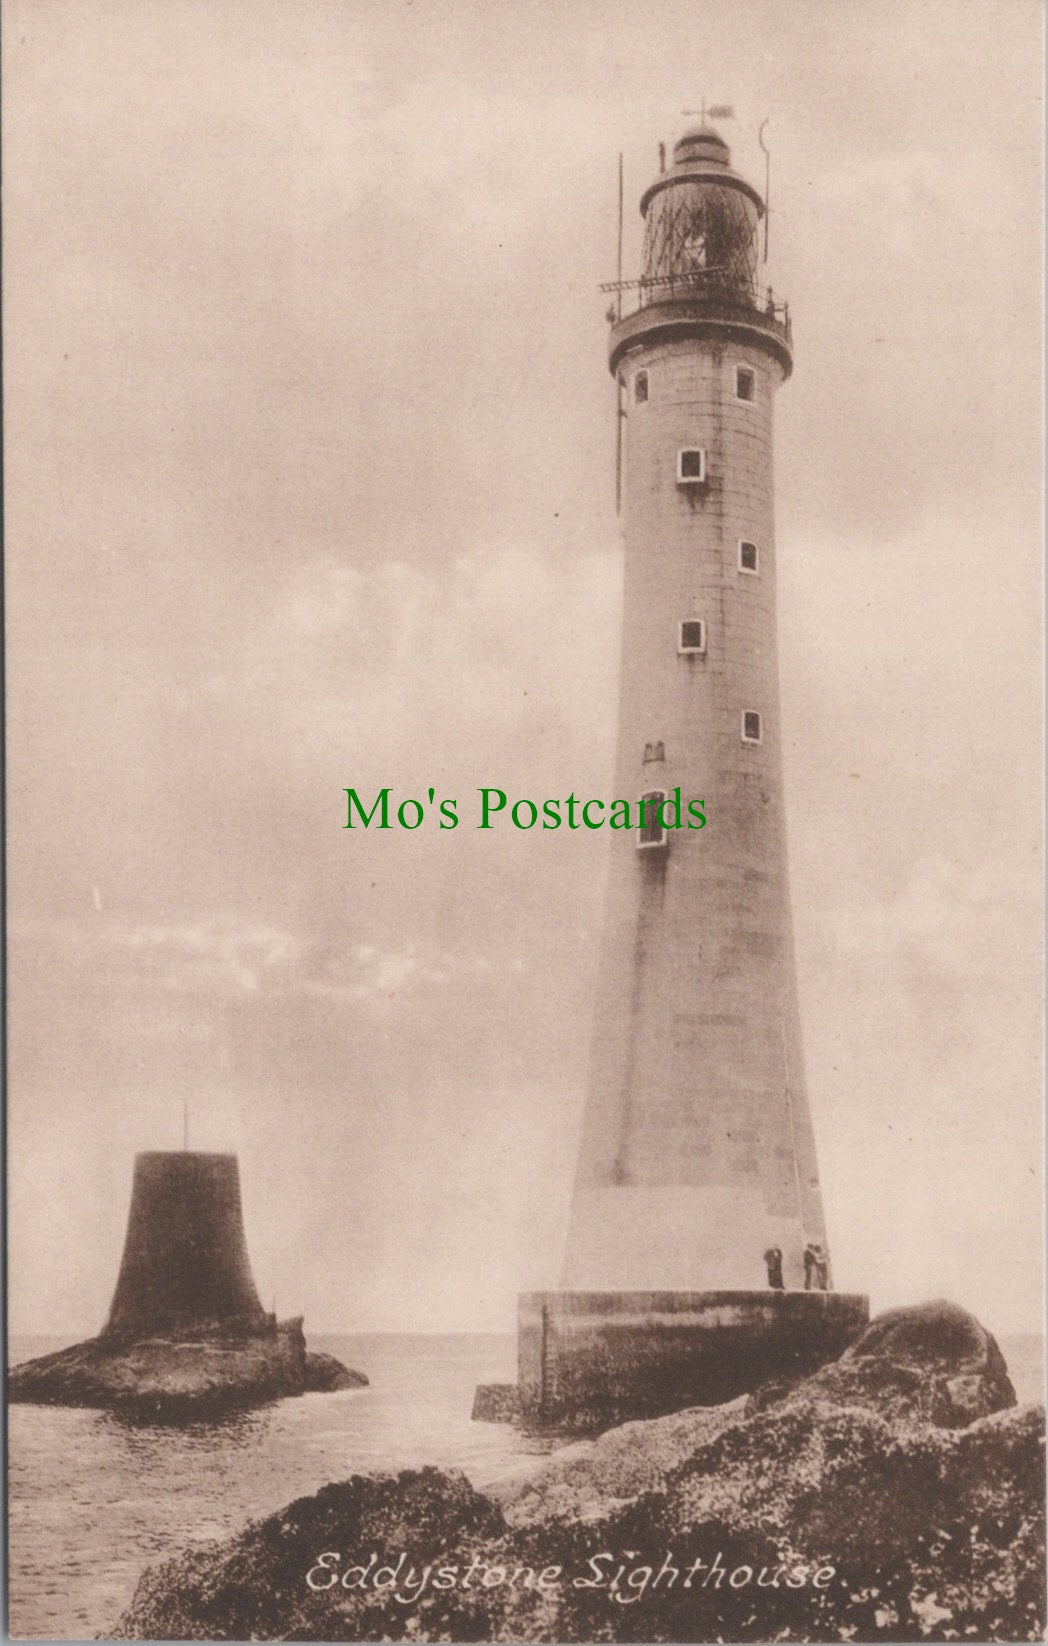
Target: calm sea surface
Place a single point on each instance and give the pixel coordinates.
(94, 1500)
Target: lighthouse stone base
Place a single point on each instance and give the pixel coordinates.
(587, 1360)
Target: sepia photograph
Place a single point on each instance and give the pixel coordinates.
(524, 820)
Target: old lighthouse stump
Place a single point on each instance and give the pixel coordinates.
(186, 1336)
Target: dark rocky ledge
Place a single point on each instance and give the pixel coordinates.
(905, 1466)
(177, 1377)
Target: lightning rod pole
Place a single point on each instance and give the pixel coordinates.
(618, 275)
(767, 184)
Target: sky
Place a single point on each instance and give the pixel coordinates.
(309, 452)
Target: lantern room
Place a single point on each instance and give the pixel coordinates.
(702, 268)
(701, 224)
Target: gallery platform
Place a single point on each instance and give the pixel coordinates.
(587, 1360)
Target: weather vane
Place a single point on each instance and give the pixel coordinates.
(719, 111)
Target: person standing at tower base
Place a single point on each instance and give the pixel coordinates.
(816, 1268)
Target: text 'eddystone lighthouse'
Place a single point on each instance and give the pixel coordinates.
(697, 1153)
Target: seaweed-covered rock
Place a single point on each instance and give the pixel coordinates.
(594, 1477)
(839, 1509)
(255, 1585)
(931, 1363)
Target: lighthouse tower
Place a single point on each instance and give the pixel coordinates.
(697, 1161)
(697, 1154)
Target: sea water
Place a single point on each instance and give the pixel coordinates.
(94, 1499)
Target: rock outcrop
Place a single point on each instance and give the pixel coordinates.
(496, 1403)
(176, 1377)
(934, 1364)
(324, 1375)
(897, 1495)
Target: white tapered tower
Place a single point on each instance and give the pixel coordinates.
(697, 1189)
(697, 1152)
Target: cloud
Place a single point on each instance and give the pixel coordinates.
(223, 960)
(484, 663)
(215, 957)
(941, 917)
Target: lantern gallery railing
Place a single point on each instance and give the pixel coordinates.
(712, 285)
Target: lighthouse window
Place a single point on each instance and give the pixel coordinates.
(651, 832)
(748, 558)
(691, 636)
(691, 466)
(640, 388)
(745, 383)
(751, 726)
